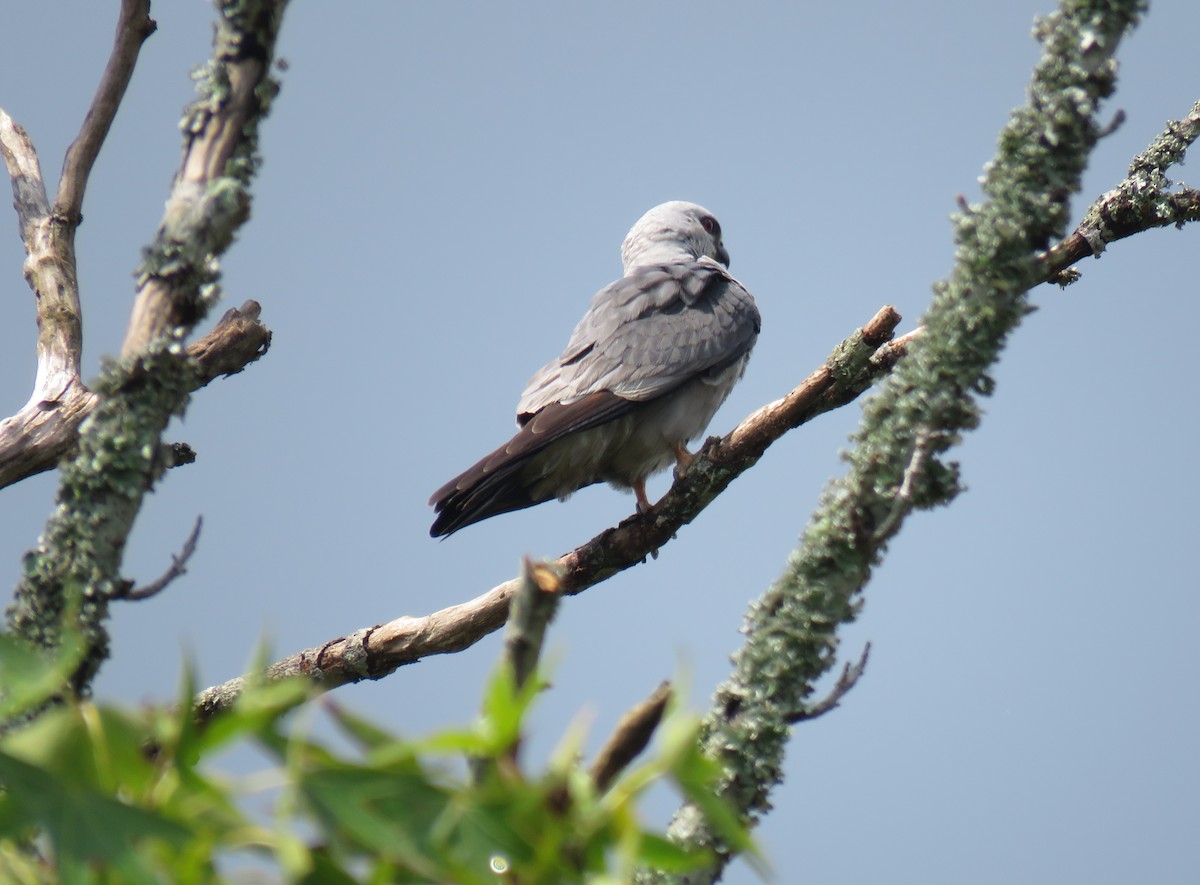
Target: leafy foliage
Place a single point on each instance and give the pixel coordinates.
(98, 794)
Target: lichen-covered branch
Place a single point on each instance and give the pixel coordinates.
(1147, 198)
(77, 561)
(920, 412)
(46, 430)
(374, 652)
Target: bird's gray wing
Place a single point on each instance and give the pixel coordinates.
(643, 336)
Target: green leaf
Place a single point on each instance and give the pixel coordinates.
(30, 675)
(84, 826)
(660, 853)
(386, 813)
(366, 735)
(86, 745)
(258, 708)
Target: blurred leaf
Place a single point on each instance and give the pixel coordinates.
(386, 813)
(326, 871)
(84, 826)
(260, 706)
(86, 745)
(30, 675)
(366, 735)
(697, 776)
(660, 853)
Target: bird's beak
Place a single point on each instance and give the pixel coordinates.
(722, 255)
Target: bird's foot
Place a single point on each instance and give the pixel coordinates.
(639, 492)
(683, 460)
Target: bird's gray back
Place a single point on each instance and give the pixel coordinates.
(649, 332)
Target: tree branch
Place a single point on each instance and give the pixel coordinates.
(134, 26)
(849, 677)
(178, 569)
(45, 431)
(919, 413)
(49, 269)
(532, 610)
(209, 200)
(1146, 198)
(374, 652)
(49, 233)
(630, 737)
(76, 565)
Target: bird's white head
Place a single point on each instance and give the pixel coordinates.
(671, 231)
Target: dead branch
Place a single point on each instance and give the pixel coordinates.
(533, 608)
(178, 569)
(630, 737)
(134, 26)
(220, 141)
(47, 430)
(851, 673)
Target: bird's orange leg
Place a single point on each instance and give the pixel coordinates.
(639, 491)
(683, 459)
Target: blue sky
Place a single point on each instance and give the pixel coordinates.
(445, 186)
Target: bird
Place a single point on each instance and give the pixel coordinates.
(647, 367)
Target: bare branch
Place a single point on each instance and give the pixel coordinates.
(133, 27)
(237, 340)
(374, 652)
(630, 737)
(851, 673)
(49, 234)
(47, 430)
(49, 269)
(29, 190)
(903, 503)
(533, 607)
(178, 569)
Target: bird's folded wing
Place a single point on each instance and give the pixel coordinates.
(646, 334)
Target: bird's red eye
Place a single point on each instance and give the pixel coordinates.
(710, 224)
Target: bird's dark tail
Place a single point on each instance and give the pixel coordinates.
(487, 489)
(500, 482)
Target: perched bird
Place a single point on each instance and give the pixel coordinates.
(644, 372)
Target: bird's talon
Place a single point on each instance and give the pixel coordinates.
(683, 460)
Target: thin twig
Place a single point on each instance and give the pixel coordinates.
(533, 606)
(133, 27)
(851, 673)
(630, 737)
(178, 568)
(903, 503)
